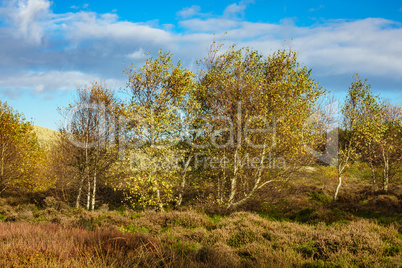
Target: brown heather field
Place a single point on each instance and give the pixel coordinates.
(301, 229)
(191, 239)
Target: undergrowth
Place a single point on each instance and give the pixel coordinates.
(193, 239)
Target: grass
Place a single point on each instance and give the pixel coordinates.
(300, 226)
(194, 239)
(51, 245)
(46, 136)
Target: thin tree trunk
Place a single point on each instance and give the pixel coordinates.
(373, 177)
(385, 171)
(219, 189)
(341, 168)
(63, 190)
(183, 182)
(95, 178)
(89, 193)
(386, 175)
(238, 146)
(87, 169)
(257, 182)
(94, 191)
(338, 187)
(2, 161)
(77, 204)
(158, 196)
(221, 181)
(234, 181)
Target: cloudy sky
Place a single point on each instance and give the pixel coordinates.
(48, 48)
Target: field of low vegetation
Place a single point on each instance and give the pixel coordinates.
(246, 162)
(302, 227)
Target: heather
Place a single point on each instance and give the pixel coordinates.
(325, 235)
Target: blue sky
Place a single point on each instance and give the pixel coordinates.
(48, 48)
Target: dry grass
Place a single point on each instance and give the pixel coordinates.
(46, 136)
(51, 245)
(192, 239)
(299, 226)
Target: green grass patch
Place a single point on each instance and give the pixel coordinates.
(135, 229)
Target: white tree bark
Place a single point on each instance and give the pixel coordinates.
(338, 187)
(94, 191)
(385, 171)
(77, 204)
(233, 186)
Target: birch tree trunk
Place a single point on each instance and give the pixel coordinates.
(257, 185)
(77, 204)
(338, 187)
(2, 160)
(94, 191)
(385, 171)
(158, 196)
(341, 169)
(234, 181)
(373, 178)
(89, 193)
(95, 177)
(183, 182)
(87, 168)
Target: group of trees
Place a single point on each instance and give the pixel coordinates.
(371, 133)
(85, 152)
(233, 128)
(21, 158)
(223, 133)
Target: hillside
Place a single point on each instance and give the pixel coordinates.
(46, 136)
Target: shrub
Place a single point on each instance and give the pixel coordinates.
(219, 255)
(104, 208)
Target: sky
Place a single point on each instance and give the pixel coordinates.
(49, 48)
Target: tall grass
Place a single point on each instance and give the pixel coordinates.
(193, 239)
(51, 245)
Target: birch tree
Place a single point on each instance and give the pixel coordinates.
(161, 101)
(87, 136)
(390, 144)
(257, 106)
(362, 115)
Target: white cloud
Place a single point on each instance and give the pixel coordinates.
(189, 11)
(316, 9)
(29, 17)
(372, 46)
(236, 10)
(88, 26)
(49, 81)
(80, 7)
(209, 25)
(137, 55)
